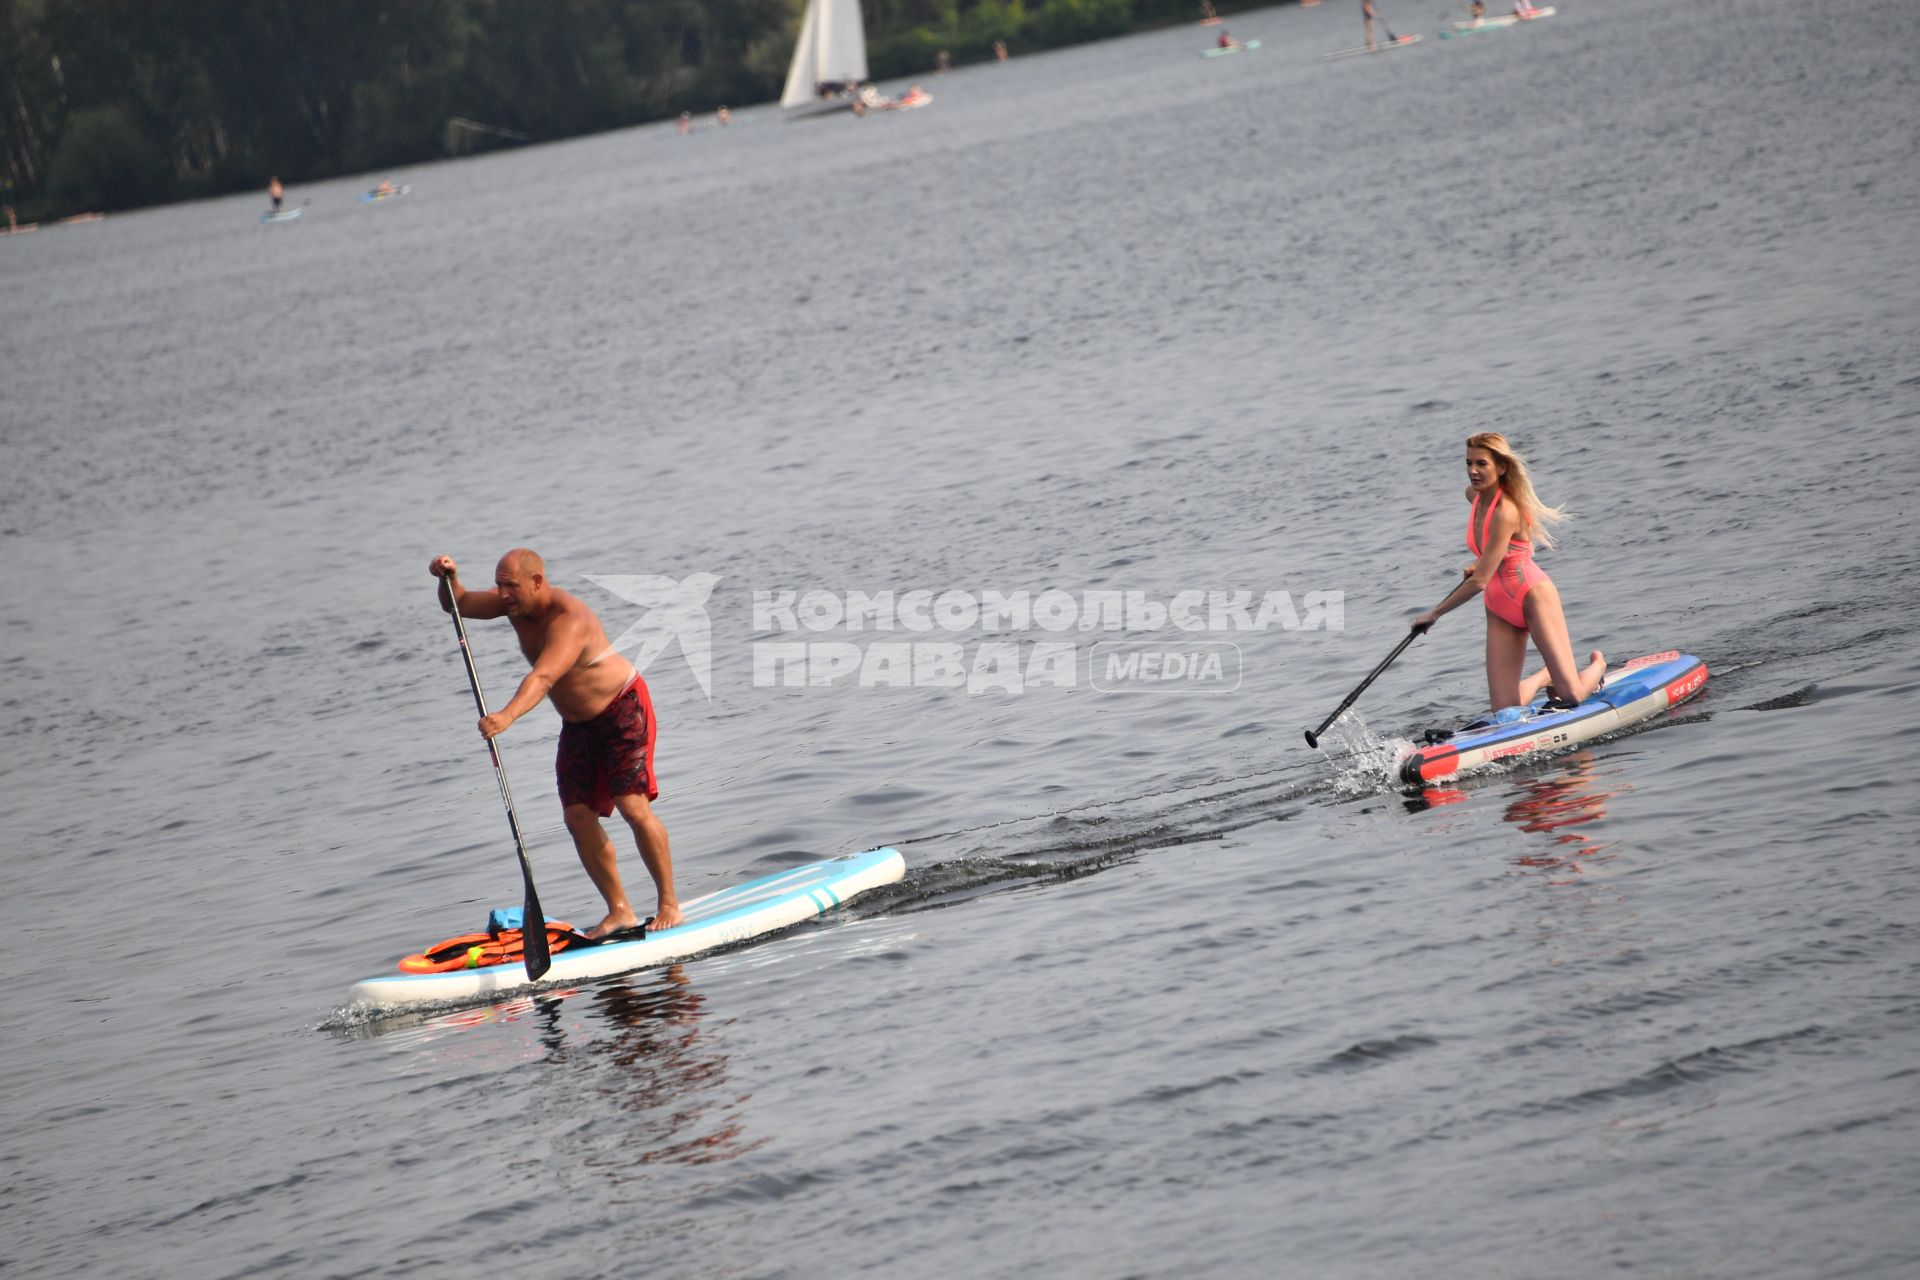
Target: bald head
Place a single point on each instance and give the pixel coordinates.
(521, 563)
(521, 580)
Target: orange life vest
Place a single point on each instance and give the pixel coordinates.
(478, 950)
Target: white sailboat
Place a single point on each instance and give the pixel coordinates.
(830, 61)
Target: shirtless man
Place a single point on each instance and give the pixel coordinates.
(275, 192)
(605, 761)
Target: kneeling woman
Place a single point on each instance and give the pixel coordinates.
(1506, 522)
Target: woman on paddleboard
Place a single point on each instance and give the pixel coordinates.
(1506, 521)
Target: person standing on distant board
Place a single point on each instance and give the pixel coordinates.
(275, 192)
(1506, 520)
(605, 761)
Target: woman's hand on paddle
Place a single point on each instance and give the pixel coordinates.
(1424, 623)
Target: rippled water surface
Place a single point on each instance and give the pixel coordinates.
(1163, 992)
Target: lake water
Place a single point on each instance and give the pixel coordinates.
(1164, 993)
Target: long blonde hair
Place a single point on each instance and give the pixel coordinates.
(1535, 515)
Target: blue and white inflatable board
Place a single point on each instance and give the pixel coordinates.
(720, 919)
(1642, 688)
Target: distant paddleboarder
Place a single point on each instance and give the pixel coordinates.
(1506, 521)
(275, 192)
(607, 728)
(1366, 11)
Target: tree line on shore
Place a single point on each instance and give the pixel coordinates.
(112, 104)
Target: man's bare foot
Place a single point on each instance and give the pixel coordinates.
(614, 923)
(666, 916)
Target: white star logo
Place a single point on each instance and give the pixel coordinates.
(675, 610)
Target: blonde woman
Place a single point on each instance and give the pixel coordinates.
(1506, 522)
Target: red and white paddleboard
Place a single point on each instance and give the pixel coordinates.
(1641, 689)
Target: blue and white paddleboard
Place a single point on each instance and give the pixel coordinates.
(733, 915)
(1478, 27)
(285, 215)
(1629, 694)
(1499, 22)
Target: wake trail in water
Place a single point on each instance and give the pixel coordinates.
(1355, 762)
(1067, 843)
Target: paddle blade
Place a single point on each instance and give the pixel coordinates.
(533, 935)
(1313, 740)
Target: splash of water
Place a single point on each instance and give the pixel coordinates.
(1362, 760)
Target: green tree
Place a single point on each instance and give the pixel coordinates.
(105, 161)
(30, 99)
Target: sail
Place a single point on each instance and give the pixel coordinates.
(832, 50)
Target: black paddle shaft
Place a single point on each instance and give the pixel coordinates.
(1313, 735)
(1391, 39)
(533, 922)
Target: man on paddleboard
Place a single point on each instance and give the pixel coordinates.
(605, 761)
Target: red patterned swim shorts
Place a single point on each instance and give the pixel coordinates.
(609, 755)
